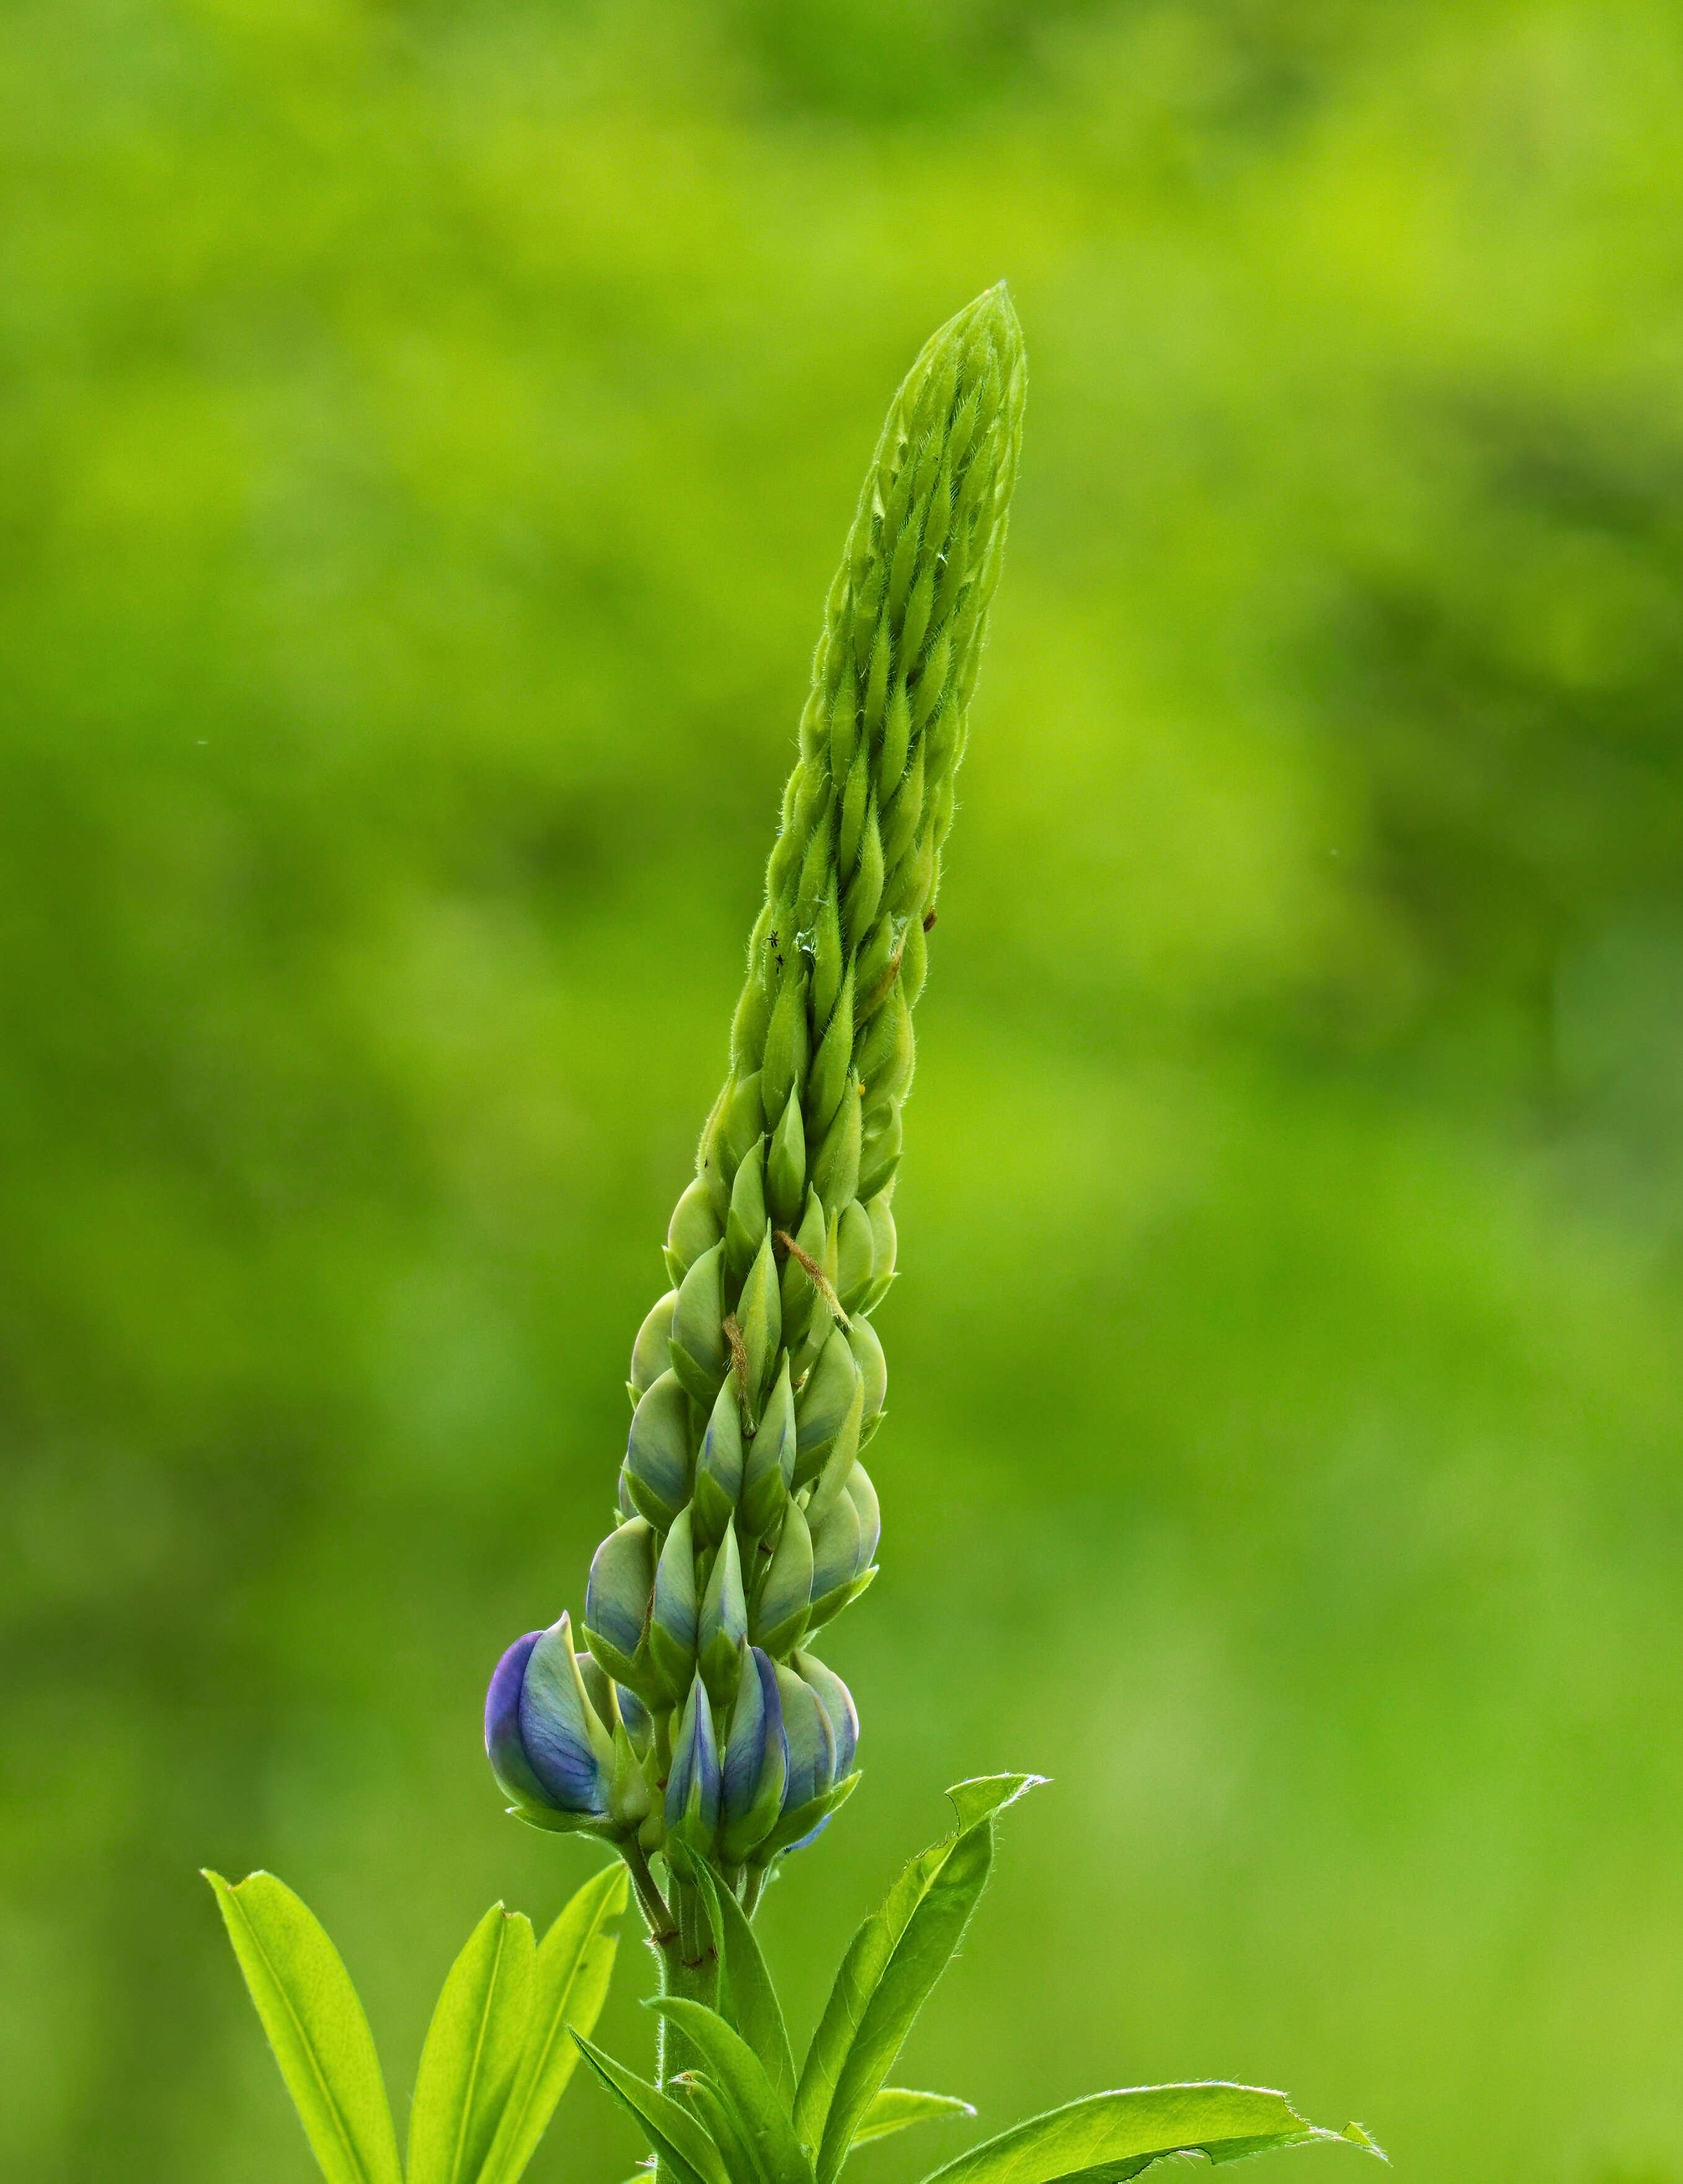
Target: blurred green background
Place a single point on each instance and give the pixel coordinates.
(428, 431)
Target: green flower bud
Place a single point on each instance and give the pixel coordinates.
(785, 1168)
(829, 961)
(694, 1228)
(787, 1042)
(676, 1610)
(801, 1297)
(760, 1316)
(698, 1346)
(651, 1353)
(879, 1151)
(835, 1170)
(745, 1228)
(889, 1051)
(718, 1469)
(829, 1079)
(779, 1616)
(723, 1622)
(770, 1471)
(824, 1404)
(844, 1548)
(657, 1472)
(867, 1348)
(855, 1255)
(884, 1245)
(617, 1599)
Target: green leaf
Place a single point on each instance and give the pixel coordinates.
(897, 2106)
(741, 2078)
(573, 1965)
(1114, 2135)
(474, 2050)
(671, 2131)
(749, 2000)
(892, 1965)
(316, 2027)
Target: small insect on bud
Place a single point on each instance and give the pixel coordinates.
(675, 1610)
(718, 1470)
(779, 1615)
(724, 1621)
(698, 1350)
(756, 1760)
(551, 1755)
(657, 1472)
(769, 1470)
(692, 1786)
(617, 1598)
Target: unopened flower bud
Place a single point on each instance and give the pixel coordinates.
(787, 1044)
(675, 1609)
(551, 1755)
(866, 1346)
(698, 1326)
(756, 1760)
(844, 1541)
(718, 1469)
(745, 1228)
(779, 1615)
(822, 1406)
(692, 1786)
(881, 1138)
(836, 1169)
(739, 1124)
(786, 1166)
(724, 1621)
(855, 1255)
(657, 1453)
(801, 1298)
(768, 1471)
(760, 1316)
(810, 1738)
(827, 1081)
(838, 1702)
(617, 1598)
(695, 1228)
(652, 1351)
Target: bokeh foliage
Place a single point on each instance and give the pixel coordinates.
(428, 431)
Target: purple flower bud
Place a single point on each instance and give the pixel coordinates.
(838, 1702)
(811, 1741)
(692, 1787)
(755, 1759)
(548, 1750)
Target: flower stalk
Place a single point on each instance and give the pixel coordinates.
(694, 1721)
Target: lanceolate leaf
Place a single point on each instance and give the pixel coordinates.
(1114, 2135)
(670, 2130)
(897, 2106)
(741, 2078)
(892, 1965)
(570, 1978)
(473, 2052)
(749, 2001)
(316, 2027)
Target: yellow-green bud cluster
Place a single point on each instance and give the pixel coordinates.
(758, 1379)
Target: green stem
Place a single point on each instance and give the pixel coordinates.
(752, 1889)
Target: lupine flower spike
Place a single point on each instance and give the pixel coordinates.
(700, 1715)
